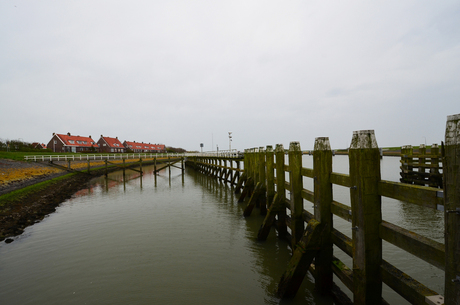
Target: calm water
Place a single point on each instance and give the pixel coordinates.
(181, 239)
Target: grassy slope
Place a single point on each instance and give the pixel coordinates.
(17, 195)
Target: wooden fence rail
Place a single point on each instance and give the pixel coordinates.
(313, 235)
(95, 157)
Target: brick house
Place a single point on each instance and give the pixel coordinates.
(144, 147)
(71, 143)
(110, 145)
(38, 145)
(158, 147)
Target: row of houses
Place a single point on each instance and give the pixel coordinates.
(72, 143)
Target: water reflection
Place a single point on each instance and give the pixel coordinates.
(270, 258)
(174, 238)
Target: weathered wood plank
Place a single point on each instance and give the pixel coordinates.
(281, 189)
(422, 195)
(322, 167)
(262, 179)
(270, 173)
(308, 195)
(341, 210)
(429, 250)
(344, 273)
(248, 187)
(308, 172)
(341, 179)
(307, 216)
(300, 262)
(452, 209)
(275, 207)
(295, 177)
(364, 158)
(256, 194)
(342, 241)
(242, 179)
(404, 285)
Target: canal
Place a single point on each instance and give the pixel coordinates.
(177, 239)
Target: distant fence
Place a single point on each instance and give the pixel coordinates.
(312, 236)
(422, 167)
(95, 157)
(233, 153)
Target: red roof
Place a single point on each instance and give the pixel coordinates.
(38, 145)
(77, 141)
(144, 146)
(113, 142)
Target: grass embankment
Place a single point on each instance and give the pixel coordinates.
(18, 195)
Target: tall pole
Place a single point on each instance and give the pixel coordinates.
(230, 141)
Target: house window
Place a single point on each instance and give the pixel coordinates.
(71, 141)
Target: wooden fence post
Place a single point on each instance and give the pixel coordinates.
(247, 163)
(406, 161)
(230, 172)
(281, 189)
(452, 210)
(322, 169)
(421, 162)
(248, 170)
(295, 178)
(237, 174)
(435, 179)
(255, 165)
(364, 158)
(262, 180)
(270, 175)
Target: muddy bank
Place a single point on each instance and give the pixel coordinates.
(15, 217)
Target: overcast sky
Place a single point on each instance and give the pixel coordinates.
(183, 73)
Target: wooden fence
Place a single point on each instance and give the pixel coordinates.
(422, 167)
(312, 236)
(219, 166)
